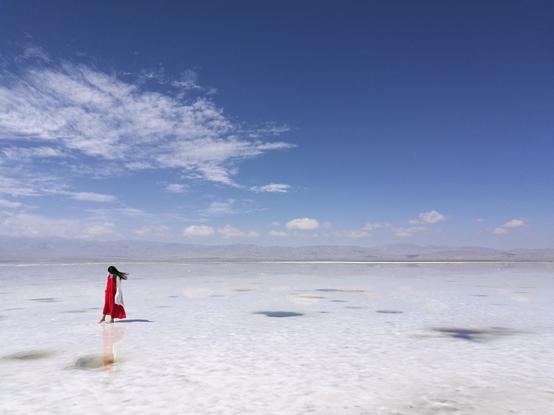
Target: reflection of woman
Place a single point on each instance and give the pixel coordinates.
(113, 302)
(110, 337)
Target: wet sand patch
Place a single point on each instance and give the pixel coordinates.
(354, 307)
(217, 295)
(338, 301)
(479, 295)
(75, 311)
(45, 300)
(29, 355)
(279, 314)
(92, 362)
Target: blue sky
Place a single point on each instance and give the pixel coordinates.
(282, 123)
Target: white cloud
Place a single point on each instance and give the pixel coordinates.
(175, 188)
(92, 197)
(230, 232)
(508, 226)
(80, 110)
(428, 218)
(8, 204)
(272, 188)
(278, 234)
(514, 223)
(198, 230)
(303, 224)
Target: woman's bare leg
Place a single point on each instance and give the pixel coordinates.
(102, 319)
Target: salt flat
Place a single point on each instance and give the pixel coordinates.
(235, 338)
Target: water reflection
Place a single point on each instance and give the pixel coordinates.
(111, 337)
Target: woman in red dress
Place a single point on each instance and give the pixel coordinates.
(113, 302)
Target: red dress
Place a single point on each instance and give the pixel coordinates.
(110, 307)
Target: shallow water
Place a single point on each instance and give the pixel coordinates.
(280, 339)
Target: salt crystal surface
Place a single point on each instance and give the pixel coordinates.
(431, 339)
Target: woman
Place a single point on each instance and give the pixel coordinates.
(113, 303)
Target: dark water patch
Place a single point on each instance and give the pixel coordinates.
(338, 290)
(75, 311)
(242, 290)
(354, 307)
(93, 308)
(136, 320)
(217, 295)
(91, 362)
(473, 334)
(279, 314)
(314, 297)
(389, 311)
(29, 355)
(479, 295)
(338, 301)
(324, 312)
(45, 299)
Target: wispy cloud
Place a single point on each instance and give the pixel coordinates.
(375, 225)
(428, 218)
(24, 224)
(175, 188)
(303, 224)
(508, 226)
(91, 197)
(272, 188)
(74, 108)
(219, 208)
(229, 231)
(278, 234)
(152, 231)
(8, 204)
(404, 232)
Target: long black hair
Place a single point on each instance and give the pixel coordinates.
(114, 271)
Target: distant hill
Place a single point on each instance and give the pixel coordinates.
(59, 249)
